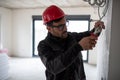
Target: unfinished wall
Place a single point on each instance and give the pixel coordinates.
(103, 46)
(109, 56)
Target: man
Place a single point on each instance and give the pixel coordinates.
(60, 51)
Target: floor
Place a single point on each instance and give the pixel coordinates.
(33, 69)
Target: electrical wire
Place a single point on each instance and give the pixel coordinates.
(100, 4)
(104, 11)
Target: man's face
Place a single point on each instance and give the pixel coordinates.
(59, 29)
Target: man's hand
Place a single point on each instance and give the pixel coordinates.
(99, 24)
(88, 42)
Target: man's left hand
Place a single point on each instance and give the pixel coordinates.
(99, 24)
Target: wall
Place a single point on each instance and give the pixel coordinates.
(22, 29)
(114, 56)
(6, 28)
(109, 56)
(103, 49)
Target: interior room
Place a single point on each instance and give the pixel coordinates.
(19, 19)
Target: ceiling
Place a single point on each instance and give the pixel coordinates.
(18, 4)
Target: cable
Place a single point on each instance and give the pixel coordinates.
(104, 11)
(100, 4)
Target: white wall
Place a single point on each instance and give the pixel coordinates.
(6, 28)
(109, 54)
(103, 49)
(22, 29)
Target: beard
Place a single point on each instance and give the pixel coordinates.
(64, 34)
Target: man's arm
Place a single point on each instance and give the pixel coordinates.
(56, 64)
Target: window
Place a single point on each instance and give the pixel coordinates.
(77, 23)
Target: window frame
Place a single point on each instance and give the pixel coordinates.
(81, 17)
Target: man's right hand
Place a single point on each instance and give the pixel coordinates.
(88, 42)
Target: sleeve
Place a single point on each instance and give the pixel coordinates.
(79, 36)
(58, 63)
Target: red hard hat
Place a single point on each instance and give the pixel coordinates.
(52, 13)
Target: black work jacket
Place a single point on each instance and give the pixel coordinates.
(62, 57)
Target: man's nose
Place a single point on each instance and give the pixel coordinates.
(65, 28)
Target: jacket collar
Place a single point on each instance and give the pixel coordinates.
(55, 39)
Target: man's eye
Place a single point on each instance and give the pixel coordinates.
(60, 26)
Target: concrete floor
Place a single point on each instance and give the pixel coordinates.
(33, 69)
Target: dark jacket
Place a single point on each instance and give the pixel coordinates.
(62, 57)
